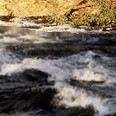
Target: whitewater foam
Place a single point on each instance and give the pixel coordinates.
(83, 67)
(72, 97)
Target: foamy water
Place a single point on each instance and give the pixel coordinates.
(83, 68)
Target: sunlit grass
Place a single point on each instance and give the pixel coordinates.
(102, 13)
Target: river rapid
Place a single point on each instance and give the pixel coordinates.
(48, 70)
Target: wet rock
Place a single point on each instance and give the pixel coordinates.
(111, 115)
(94, 87)
(27, 90)
(36, 76)
(76, 111)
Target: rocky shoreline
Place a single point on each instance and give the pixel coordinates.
(76, 12)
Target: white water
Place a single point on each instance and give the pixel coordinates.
(82, 67)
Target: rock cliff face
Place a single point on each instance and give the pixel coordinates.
(79, 12)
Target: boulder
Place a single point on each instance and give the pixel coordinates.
(26, 90)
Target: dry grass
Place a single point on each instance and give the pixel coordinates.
(102, 13)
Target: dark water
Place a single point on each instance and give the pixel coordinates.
(57, 71)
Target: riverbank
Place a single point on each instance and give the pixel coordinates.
(100, 13)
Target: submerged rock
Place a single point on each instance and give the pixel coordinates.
(30, 89)
(76, 111)
(33, 93)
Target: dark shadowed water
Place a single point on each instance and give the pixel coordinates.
(56, 71)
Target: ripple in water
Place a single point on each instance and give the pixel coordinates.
(81, 80)
(81, 83)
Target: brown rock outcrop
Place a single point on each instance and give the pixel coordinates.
(79, 12)
(38, 7)
(27, 7)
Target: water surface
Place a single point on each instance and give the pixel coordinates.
(57, 70)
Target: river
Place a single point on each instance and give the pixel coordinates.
(48, 70)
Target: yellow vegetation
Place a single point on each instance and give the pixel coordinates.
(76, 12)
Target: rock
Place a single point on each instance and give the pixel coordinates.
(77, 12)
(76, 111)
(19, 92)
(36, 76)
(88, 86)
